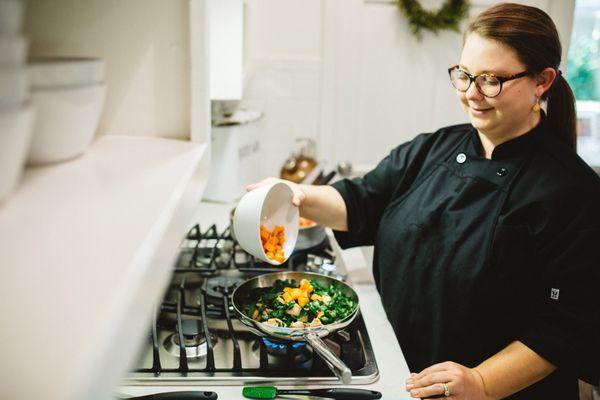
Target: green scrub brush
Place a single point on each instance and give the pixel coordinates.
(271, 392)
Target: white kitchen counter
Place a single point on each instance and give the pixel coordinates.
(390, 360)
(86, 248)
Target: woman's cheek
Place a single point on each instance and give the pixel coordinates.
(463, 100)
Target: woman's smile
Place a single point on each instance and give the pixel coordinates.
(478, 111)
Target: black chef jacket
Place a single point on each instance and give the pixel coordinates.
(472, 254)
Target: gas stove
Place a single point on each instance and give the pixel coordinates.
(195, 337)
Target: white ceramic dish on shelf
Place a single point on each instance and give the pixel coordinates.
(65, 72)
(14, 87)
(13, 51)
(269, 206)
(15, 136)
(11, 16)
(65, 123)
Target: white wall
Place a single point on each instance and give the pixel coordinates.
(146, 45)
(283, 71)
(388, 86)
(351, 74)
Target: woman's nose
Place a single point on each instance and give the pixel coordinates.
(472, 93)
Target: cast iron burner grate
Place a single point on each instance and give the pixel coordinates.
(196, 335)
(208, 253)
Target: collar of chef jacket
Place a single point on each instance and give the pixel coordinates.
(514, 147)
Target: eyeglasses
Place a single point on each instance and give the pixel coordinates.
(488, 84)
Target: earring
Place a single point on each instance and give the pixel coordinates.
(536, 106)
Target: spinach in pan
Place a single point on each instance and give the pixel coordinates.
(307, 304)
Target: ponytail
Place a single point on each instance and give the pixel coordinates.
(561, 112)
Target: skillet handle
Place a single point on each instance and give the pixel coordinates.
(336, 365)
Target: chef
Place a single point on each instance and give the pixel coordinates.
(486, 234)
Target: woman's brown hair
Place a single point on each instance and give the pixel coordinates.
(532, 34)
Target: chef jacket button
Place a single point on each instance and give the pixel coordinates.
(461, 158)
(502, 171)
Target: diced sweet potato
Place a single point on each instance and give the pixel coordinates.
(302, 301)
(296, 292)
(273, 242)
(269, 247)
(306, 286)
(286, 297)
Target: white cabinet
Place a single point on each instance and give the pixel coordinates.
(155, 52)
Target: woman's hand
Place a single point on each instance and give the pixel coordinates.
(447, 379)
(320, 203)
(298, 196)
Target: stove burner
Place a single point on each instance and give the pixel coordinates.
(220, 286)
(217, 251)
(286, 354)
(279, 348)
(193, 340)
(190, 327)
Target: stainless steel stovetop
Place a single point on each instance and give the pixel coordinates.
(179, 352)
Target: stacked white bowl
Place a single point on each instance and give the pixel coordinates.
(68, 96)
(16, 112)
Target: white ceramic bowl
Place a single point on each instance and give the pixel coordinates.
(11, 16)
(13, 51)
(65, 123)
(15, 136)
(14, 87)
(65, 72)
(269, 206)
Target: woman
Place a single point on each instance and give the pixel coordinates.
(485, 233)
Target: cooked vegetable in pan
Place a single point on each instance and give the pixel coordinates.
(308, 304)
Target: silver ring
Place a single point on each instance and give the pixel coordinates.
(446, 390)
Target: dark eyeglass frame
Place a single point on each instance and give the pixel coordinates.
(472, 78)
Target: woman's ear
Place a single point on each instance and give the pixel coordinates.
(544, 80)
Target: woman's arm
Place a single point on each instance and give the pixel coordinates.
(323, 204)
(510, 370)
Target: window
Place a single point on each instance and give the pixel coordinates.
(583, 74)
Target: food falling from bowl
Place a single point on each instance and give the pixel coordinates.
(273, 242)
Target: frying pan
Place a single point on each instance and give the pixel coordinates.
(248, 293)
(310, 236)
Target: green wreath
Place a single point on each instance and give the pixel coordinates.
(447, 17)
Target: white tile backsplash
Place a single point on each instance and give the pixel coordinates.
(280, 84)
(287, 90)
(307, 84)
